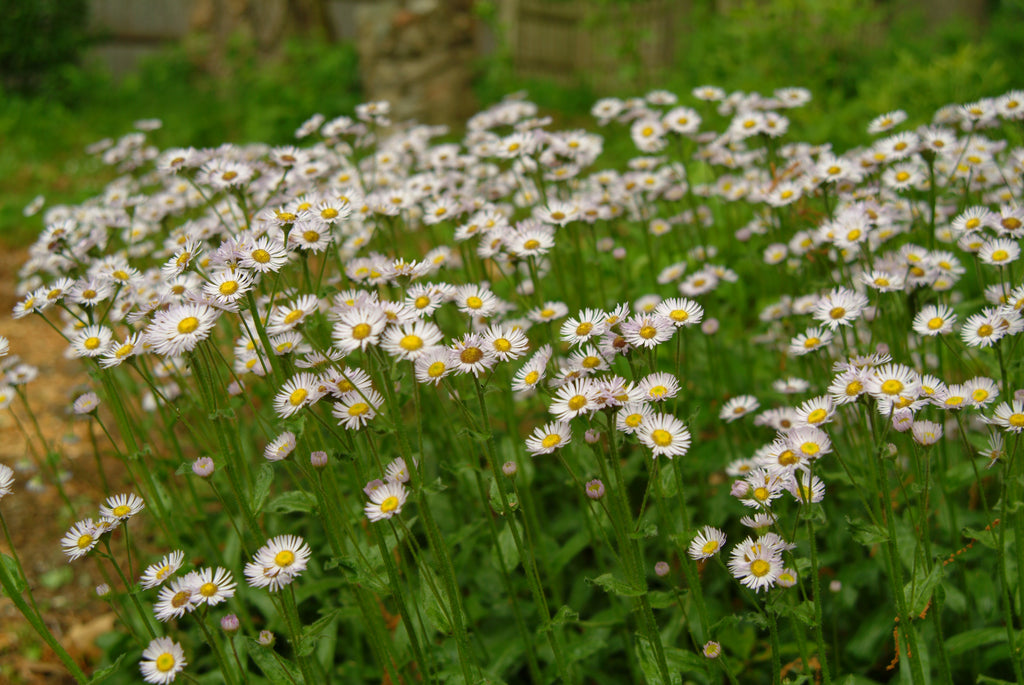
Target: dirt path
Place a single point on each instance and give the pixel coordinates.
(38, 519)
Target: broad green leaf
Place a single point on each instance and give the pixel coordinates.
(610, 583)
(507, 547)
(988, 538)
(919, 593)
(973, 639)
(102, 674)
(563, 616)
(261, 488)
(291, 502)
(13, 573)
(274, 666)
(567, 550)
(803, 611)
(866, 533)
(316, 630)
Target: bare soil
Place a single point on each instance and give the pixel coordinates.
(38, 519)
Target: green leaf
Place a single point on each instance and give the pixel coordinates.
(275, 667)
(857, 680)
(564, 616)
(919, 590)
(866, 533)
(986, 537)
(610, 583)
(315, 631)
(648, 529)
(973, 639)
(660, 599)
(261, 488)
(803, 612)
(291, 502)
(102, 674)
(15, 575)
(568, 550)
(507, 548)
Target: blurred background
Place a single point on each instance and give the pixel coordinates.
(75, 71)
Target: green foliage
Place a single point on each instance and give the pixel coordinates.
(37, 39)
(858, 59)
(45, 134)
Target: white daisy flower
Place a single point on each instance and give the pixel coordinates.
(278, 562)
(162, 661)
(386, 501)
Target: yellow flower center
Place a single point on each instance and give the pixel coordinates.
(833, 170)
(474, 302)
(298, 396)
(647, 131)
(854, 388)
(679, 315)
(892, 387)
(837, 313)
(812, 342)
(985, 330)
(817, 416)
(531, 377)
(810, 448)
(311, 236)
(531, 244)
(788, 458)
(710, 547)
(661, 438)
(421, 302)
(954, 401)
(973, 222)
(471, 355)
(260, 256)
(329, 213)
(389, 505)
(1016, 420)
(648, 332)
(121, 510)
(87, 294)
(633, 420)
(1000, 256)
(358, 409)
(91, 343)
(181, 599)
(229, 175)
(165, 662)
(411, 343)
(551, 440)
(760, 568)
(761, 494)
(979, 395)
(361, 330)
(284, 558)
(584, 328)
(590, 362)
(188, 325)
(577, 402)
(436, 369)
(208, 589)
(84, 541)
(502, 344)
